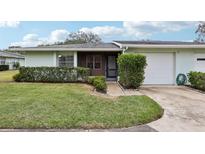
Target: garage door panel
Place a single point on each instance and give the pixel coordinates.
(160, 68)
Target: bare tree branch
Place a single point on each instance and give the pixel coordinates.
(200, 32)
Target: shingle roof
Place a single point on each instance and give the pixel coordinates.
(84, 45)
(72, 47)
(155, 42)
(10, 54)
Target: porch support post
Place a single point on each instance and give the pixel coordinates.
(75, 58)
(54, 59)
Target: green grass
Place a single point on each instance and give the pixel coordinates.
(43, 105)
(6, 76)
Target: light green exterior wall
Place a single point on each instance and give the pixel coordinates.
(184, 61)
(40, 58)
(46, 58)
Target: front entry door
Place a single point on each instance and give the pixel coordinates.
(94, 62)
(111, 67)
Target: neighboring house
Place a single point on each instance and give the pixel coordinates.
(9, 58)
(165, 59)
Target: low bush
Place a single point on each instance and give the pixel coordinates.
(52, 74)
(99, 82)
(16, 65)
(91, 79)
(197, 80)
(4, 67)
(17, 77)
(131, 70)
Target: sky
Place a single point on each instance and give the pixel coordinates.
(33, 33)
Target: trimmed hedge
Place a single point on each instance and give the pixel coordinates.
(131, 70)
(197, 80)
(99, 82)
(52, 74)
(4, 67)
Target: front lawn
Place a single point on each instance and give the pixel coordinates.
(6, 76)
(42, 105)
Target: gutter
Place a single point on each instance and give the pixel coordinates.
(63, 49)
(163, 46)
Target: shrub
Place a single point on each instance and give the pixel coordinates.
(16, 65)
(83, 73)
(197, 80)
(131, 70)
(17, 77)
(99, 82)
(52, 74)
(91, 79)
(4, 67)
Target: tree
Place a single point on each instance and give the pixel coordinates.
(200, 32)
(82, 37)
(10, 47)
(78, 38)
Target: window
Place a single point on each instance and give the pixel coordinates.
(94, 61)
(97, 62)
(65, 61)
(200, 59)
(2, 61)
(89, 62)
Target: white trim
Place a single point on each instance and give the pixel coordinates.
(65, 49)
(175, 67)
(75, 58)
(25, 60)
(162, 46)
(54, 59)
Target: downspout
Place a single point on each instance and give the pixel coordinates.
(124, 49)
(123, 52)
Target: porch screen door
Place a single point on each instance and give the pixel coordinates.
(111, 66)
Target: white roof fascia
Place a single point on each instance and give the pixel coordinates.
(65, 49)
(162, 46)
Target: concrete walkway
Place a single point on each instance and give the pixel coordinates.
(115, 89)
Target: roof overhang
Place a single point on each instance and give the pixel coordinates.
(12, 57)
(66, 49)
(198, 46)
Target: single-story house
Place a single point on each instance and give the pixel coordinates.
(165, 59)
(9, 58)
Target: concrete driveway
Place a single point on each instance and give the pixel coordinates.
(184, 108)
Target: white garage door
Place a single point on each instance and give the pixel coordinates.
(160, 68)
(199, 62)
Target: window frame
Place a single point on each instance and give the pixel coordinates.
(2, 61)
(94, 61)
(68, 61)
